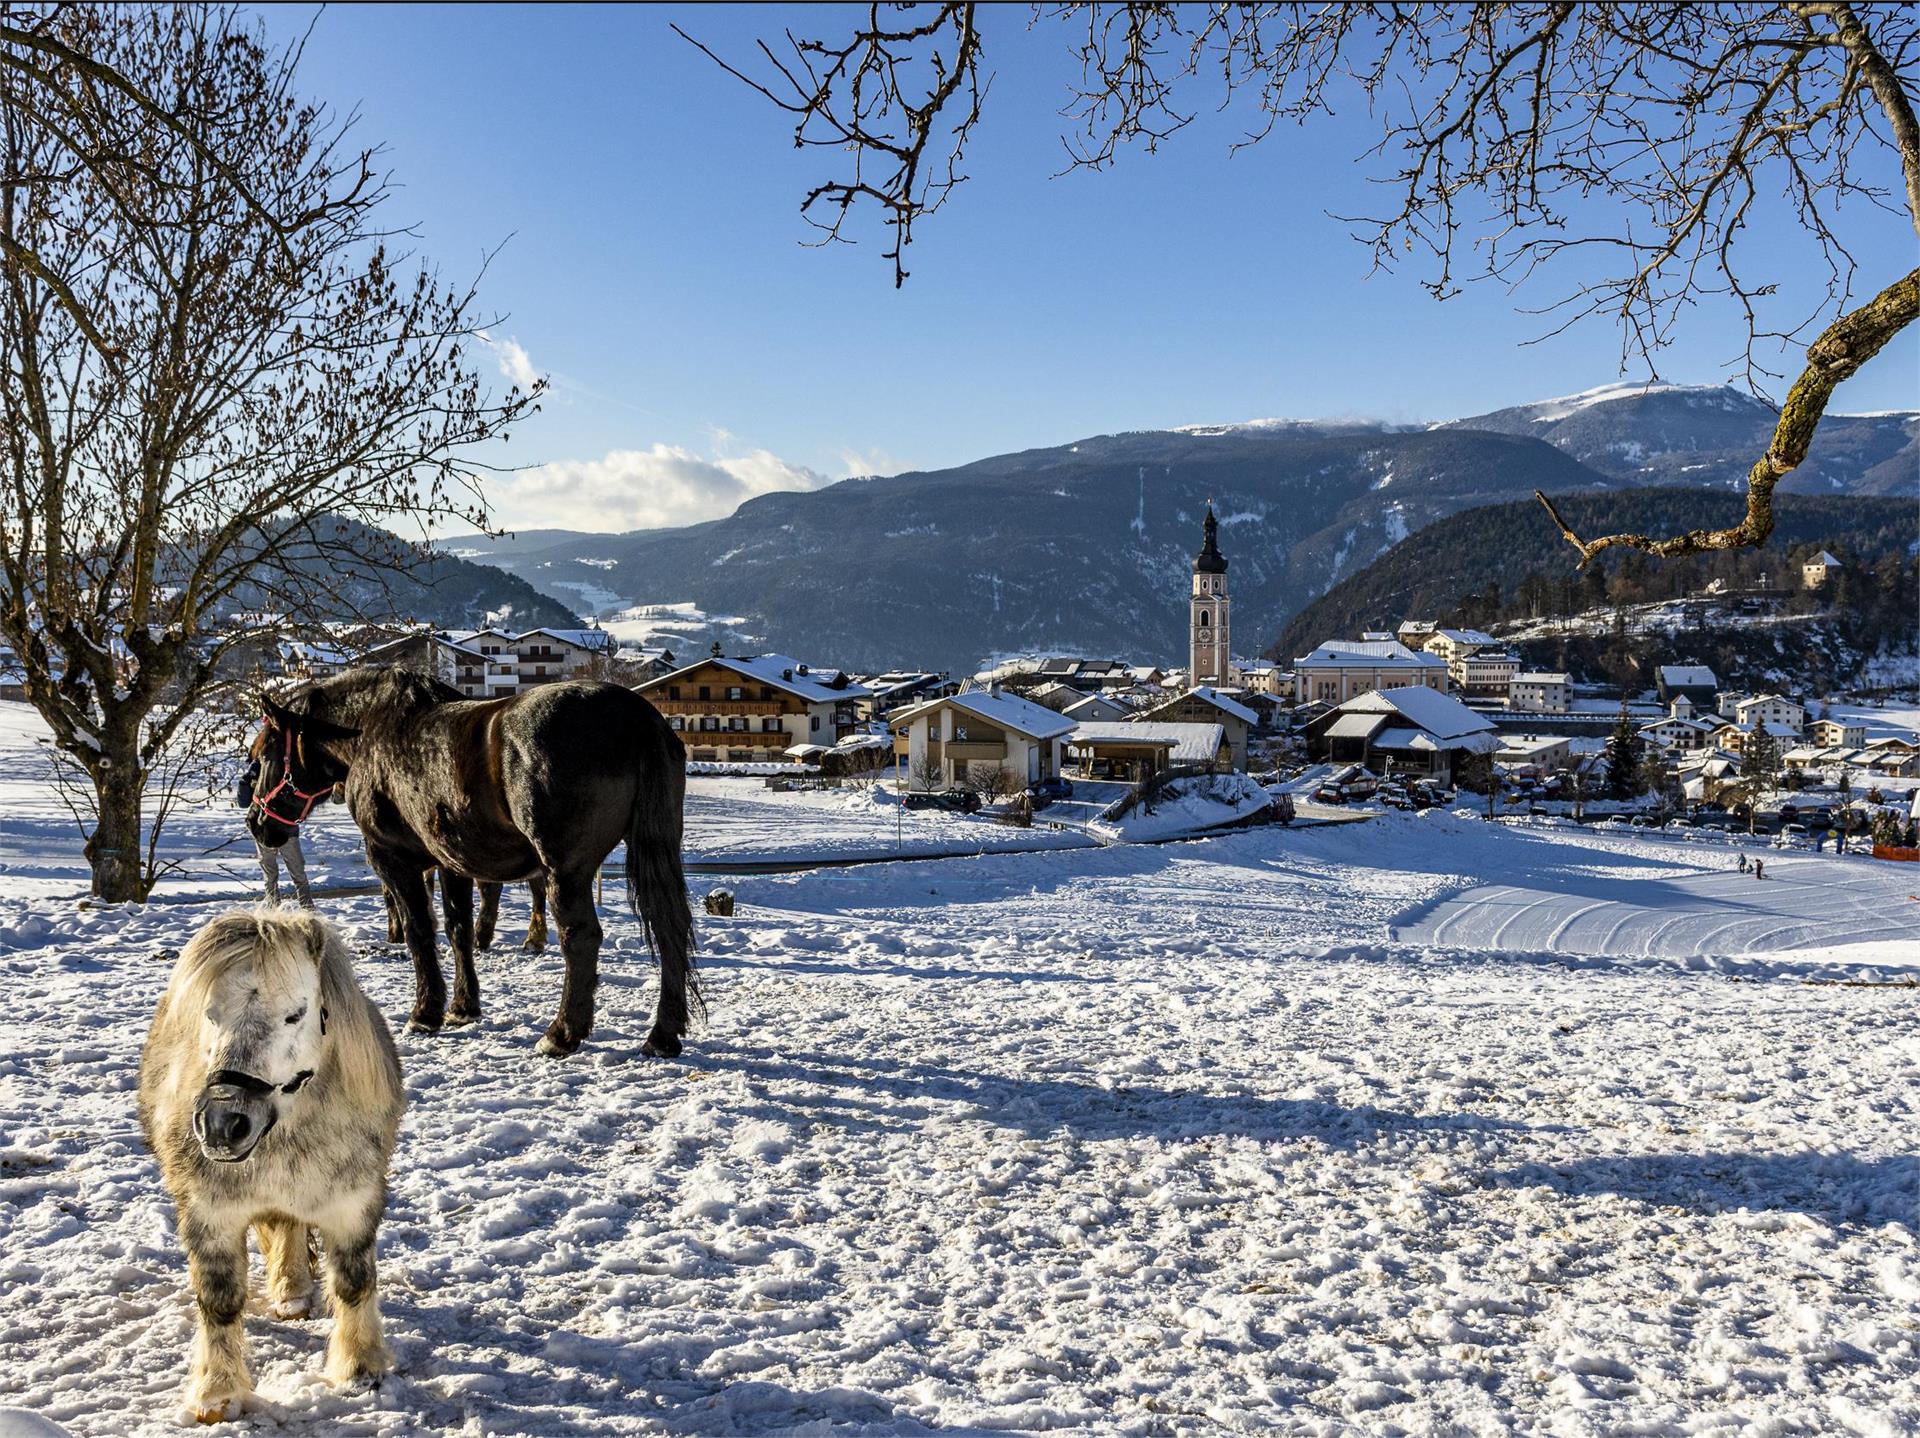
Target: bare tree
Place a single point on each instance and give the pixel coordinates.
(1640, 144)
(216, 386)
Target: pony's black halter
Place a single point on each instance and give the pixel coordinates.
(248, 1083)
(307, 799)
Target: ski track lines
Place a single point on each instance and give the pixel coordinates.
(1682, 912)
(1111, 1140)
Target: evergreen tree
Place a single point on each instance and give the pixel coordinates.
(1624, 752)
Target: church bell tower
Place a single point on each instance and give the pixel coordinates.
(1208, 649)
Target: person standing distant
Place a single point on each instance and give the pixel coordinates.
(270, 858)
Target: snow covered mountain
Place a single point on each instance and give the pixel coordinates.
(1706, 435)
(1085, 546)
(1081, 547)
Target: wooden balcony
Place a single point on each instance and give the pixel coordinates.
(734, 739)
(717, 707)
(968, 750)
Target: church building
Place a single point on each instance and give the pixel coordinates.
(1209, 651)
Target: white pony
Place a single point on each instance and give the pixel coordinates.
(270, 1094)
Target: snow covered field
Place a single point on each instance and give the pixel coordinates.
(1286, 1131)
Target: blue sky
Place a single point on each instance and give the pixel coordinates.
(653, 263)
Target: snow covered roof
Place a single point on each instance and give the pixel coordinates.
(1537, 678)
(779, 671)
(1466, 636)
(1827, 559)
(580, 638)
(1093, 704)
(1208, 695)
(1347, 653)
(1355, 726)
(1441, 715)
(1402, 737)
(1188, 743)
(1008, 711)
(1687, 676)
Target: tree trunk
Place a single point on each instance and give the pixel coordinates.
(113, 849)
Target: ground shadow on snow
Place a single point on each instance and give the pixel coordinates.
(860, 1093)
(1838, 1189)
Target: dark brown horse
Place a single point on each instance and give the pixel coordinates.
(542, 786)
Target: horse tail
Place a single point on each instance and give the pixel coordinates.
(656, 881)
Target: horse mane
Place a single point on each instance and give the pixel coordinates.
(273, 941)
(372, 697)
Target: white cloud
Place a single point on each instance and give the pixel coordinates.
(515, 363)
(641, 489)
(866, 463)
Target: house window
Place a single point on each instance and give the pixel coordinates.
(738, 722)
(740, 756)
(705, 692)
(736, 692)
(674, 721)
(765, 692)
(813, 722)
(673, 691)
(770, 725)
(709, 723)
(703, 756)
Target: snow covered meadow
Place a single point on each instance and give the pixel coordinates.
(1416, 1126)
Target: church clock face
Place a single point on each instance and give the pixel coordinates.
(1205, 635)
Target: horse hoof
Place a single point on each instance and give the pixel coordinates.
(534, 946)
(661, 1046)
(291, 1308)
(425, 1024)
(554, 1047)
(460, 1018)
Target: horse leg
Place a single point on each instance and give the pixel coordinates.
(218, 1382)
(394, 930)
(409, 889)
(358, 1348)
(456, 906)
(284, 1245)
(489, 916)
(580, 948)
(537, 920)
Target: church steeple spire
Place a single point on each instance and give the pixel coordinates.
(1209, 560)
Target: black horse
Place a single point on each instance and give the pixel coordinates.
(541, 786)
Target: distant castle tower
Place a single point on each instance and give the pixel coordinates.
(1208, 649)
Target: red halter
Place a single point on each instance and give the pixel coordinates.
(308, 800)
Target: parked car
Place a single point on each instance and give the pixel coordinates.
(1327, 794)
(955, 801)
(1051, 788)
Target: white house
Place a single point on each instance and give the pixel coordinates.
(1775, 711)
(1540, 693)
(965, 736)
(1817, 570)
(1451, 644)
(1837, 733)
(1343, 669)
(1484, 673)
(1680, 732)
